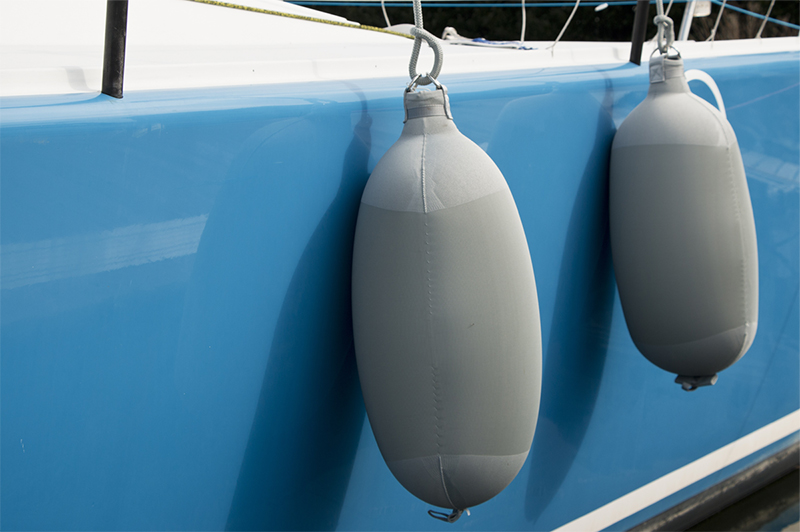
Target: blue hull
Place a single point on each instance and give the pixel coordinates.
(176, 344)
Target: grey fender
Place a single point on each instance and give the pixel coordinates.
(445, 314)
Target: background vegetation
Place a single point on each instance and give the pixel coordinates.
(543, 23)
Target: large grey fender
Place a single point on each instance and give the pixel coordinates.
(445, 314)
(683, 237)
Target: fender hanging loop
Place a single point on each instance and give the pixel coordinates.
(416, 81)
(676, 55)
(447, 518)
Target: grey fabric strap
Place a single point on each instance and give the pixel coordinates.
(432, 110)
(664, 67)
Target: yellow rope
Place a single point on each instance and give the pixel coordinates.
(302, 17)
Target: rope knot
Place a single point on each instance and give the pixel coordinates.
(420, 34)
(666, 32)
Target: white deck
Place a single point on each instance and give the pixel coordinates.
(56, 47)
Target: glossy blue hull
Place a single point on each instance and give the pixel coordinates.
(176, 345)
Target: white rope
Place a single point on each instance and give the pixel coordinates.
(421, 34)
(385, 16)
(666, 28)
(574, 9)
(666, 14)
(764, 22)
(418, 17)
(524, 22)
(716, 24)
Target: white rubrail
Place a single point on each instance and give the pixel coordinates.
(663, 487)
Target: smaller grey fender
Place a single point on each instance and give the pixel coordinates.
(683, 235)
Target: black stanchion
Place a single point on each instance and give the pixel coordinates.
(114, 52)
(639, 30)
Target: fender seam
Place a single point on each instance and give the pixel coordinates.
(444, 486)
(422, 174)
(437, 392)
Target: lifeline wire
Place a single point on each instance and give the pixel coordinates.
(574, 9)
(766, 18)
(716, 24)
(302, 17)
(514, 4)
(385, 16)
(758, 15)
